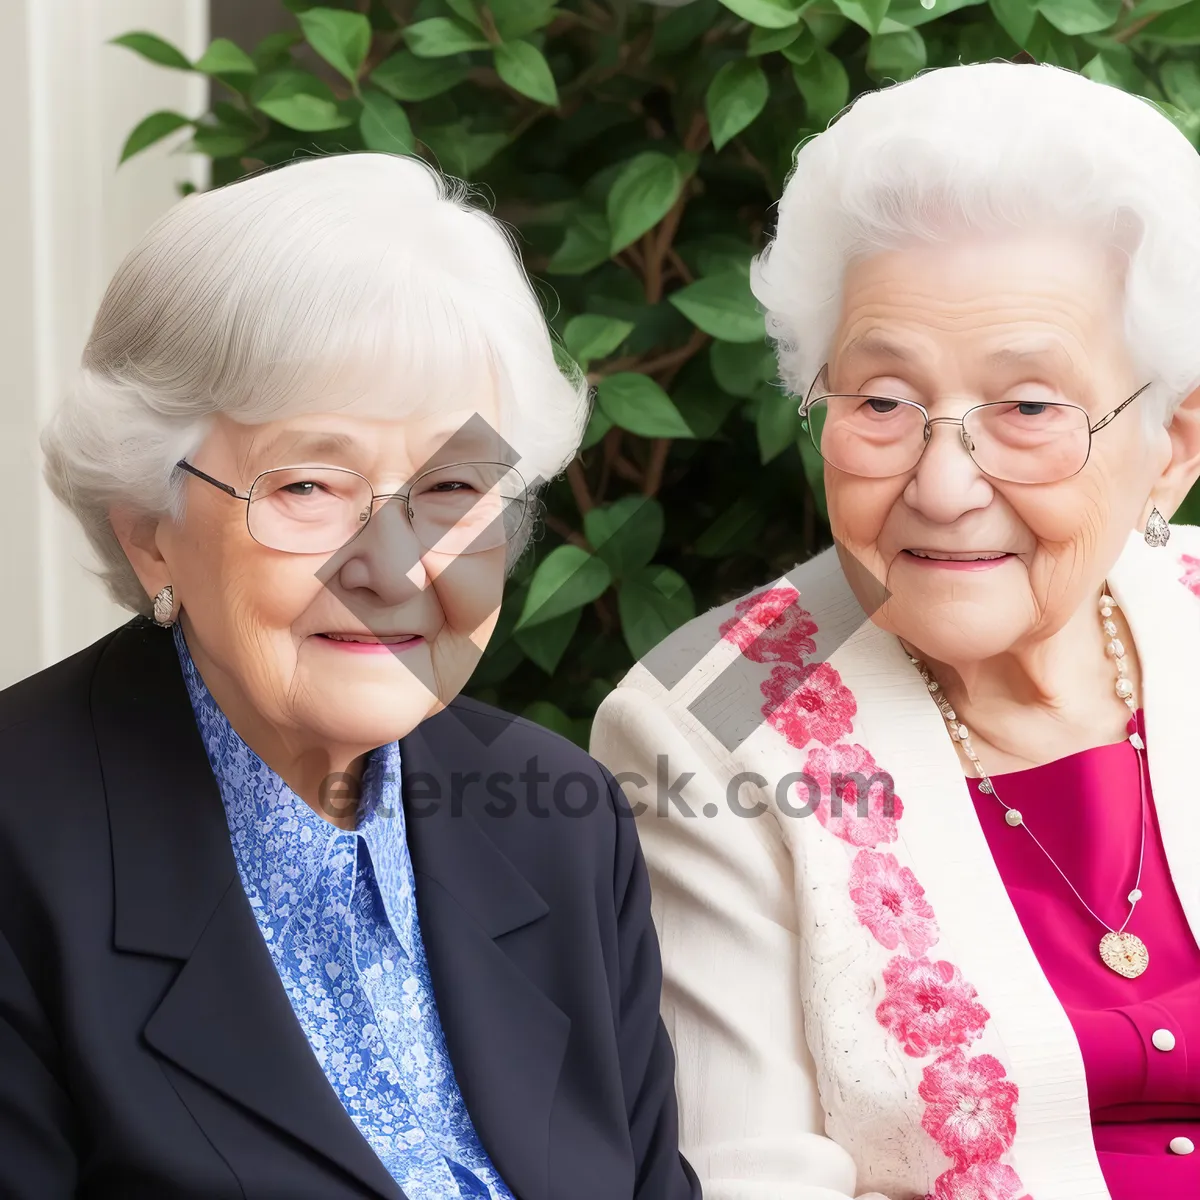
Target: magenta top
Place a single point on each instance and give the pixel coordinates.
(1140, 1038)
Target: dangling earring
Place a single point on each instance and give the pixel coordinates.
(1157, 530)
(164, 607)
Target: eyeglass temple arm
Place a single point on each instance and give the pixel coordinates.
(229, 491)
(808, 395)
(1118, 410)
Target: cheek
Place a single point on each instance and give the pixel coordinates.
(469, 590)
(859, 509)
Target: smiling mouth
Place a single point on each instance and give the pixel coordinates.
(960, 556)
(393, 639)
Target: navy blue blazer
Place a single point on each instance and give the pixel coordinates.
(147, 1047)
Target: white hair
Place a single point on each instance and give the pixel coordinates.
(986, 147)
(257, 301)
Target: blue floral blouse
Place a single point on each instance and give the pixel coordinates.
(337, 910)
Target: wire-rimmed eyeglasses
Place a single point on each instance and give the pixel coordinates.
(459, 508)
(877, 437)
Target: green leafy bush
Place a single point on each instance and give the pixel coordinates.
(637, 149)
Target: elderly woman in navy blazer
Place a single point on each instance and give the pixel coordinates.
(282, 916)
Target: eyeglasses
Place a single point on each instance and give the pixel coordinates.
(877, 437)
(461, 508)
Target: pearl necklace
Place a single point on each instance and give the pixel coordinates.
(1124, 953)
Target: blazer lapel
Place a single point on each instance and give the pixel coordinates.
(506, 1038)
(225, 1019)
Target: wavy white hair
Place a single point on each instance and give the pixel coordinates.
(986, 147)
(262, 299)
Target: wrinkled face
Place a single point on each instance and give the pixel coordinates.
(351, 647)
(978, 566)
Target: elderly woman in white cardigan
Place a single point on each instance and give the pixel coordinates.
(921, 816)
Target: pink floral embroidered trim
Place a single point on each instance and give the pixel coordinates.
(1191, 573)
(928, 1006)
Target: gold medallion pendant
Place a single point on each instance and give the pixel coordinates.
(1124, 953)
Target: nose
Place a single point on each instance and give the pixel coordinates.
(947, 483)
(385, 558)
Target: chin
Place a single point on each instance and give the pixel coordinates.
(369, 714)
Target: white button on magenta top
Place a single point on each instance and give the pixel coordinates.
(1181, 1145)
(1163, 1039)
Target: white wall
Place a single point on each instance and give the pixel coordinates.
(67, 217)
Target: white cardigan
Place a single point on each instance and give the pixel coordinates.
(790, 1087)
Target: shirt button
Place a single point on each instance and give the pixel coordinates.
(1163, 1039)
(1181, 1145)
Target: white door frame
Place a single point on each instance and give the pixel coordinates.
(68, 216)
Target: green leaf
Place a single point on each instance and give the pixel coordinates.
(150, 46)
(769, 14)
(897, 56)
(598, 425)
(703, 408)
(626, 534)
(1075, 17)
(224, 57)
(1015, 17)
(1181, 82)
(590, 336)
(680, 27)
(1147, 7)
(641, 195)
(823, 83)
(776, 422)
(406, 77)
(274, 51)
(227, 137)
(300, 101)
(912, 12)
(740, 368)
(384, 124)
(866, 13)
(152, 129)
(461, 152)
(584, 246)
(652, 604)
(439, 37)
(524, 68)
(737, 94)
(566, 579)
(547, 642)
(466, 11)
(637, 403)
(342, 39)
(803, 47)
(1116, 68)
(764, 41)
(735, 529)
(519, 18)
(543, 712)
(722, 306)
(1188, 123)
(1180, 27)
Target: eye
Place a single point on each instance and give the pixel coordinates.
(1030, 409)
(304, 487)
(880, 405)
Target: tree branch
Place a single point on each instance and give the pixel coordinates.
(659, 450)
(565, 532)
(579, 487)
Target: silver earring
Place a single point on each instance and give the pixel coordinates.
(164, 607)
(1157, 530)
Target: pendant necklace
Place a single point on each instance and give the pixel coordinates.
(1122, 952)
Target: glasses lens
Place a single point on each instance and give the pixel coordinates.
(870, 436)
(466, 508)
(1028, 443)
(308, 510)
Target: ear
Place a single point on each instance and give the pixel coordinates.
(1183, 468)
(138, 535)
